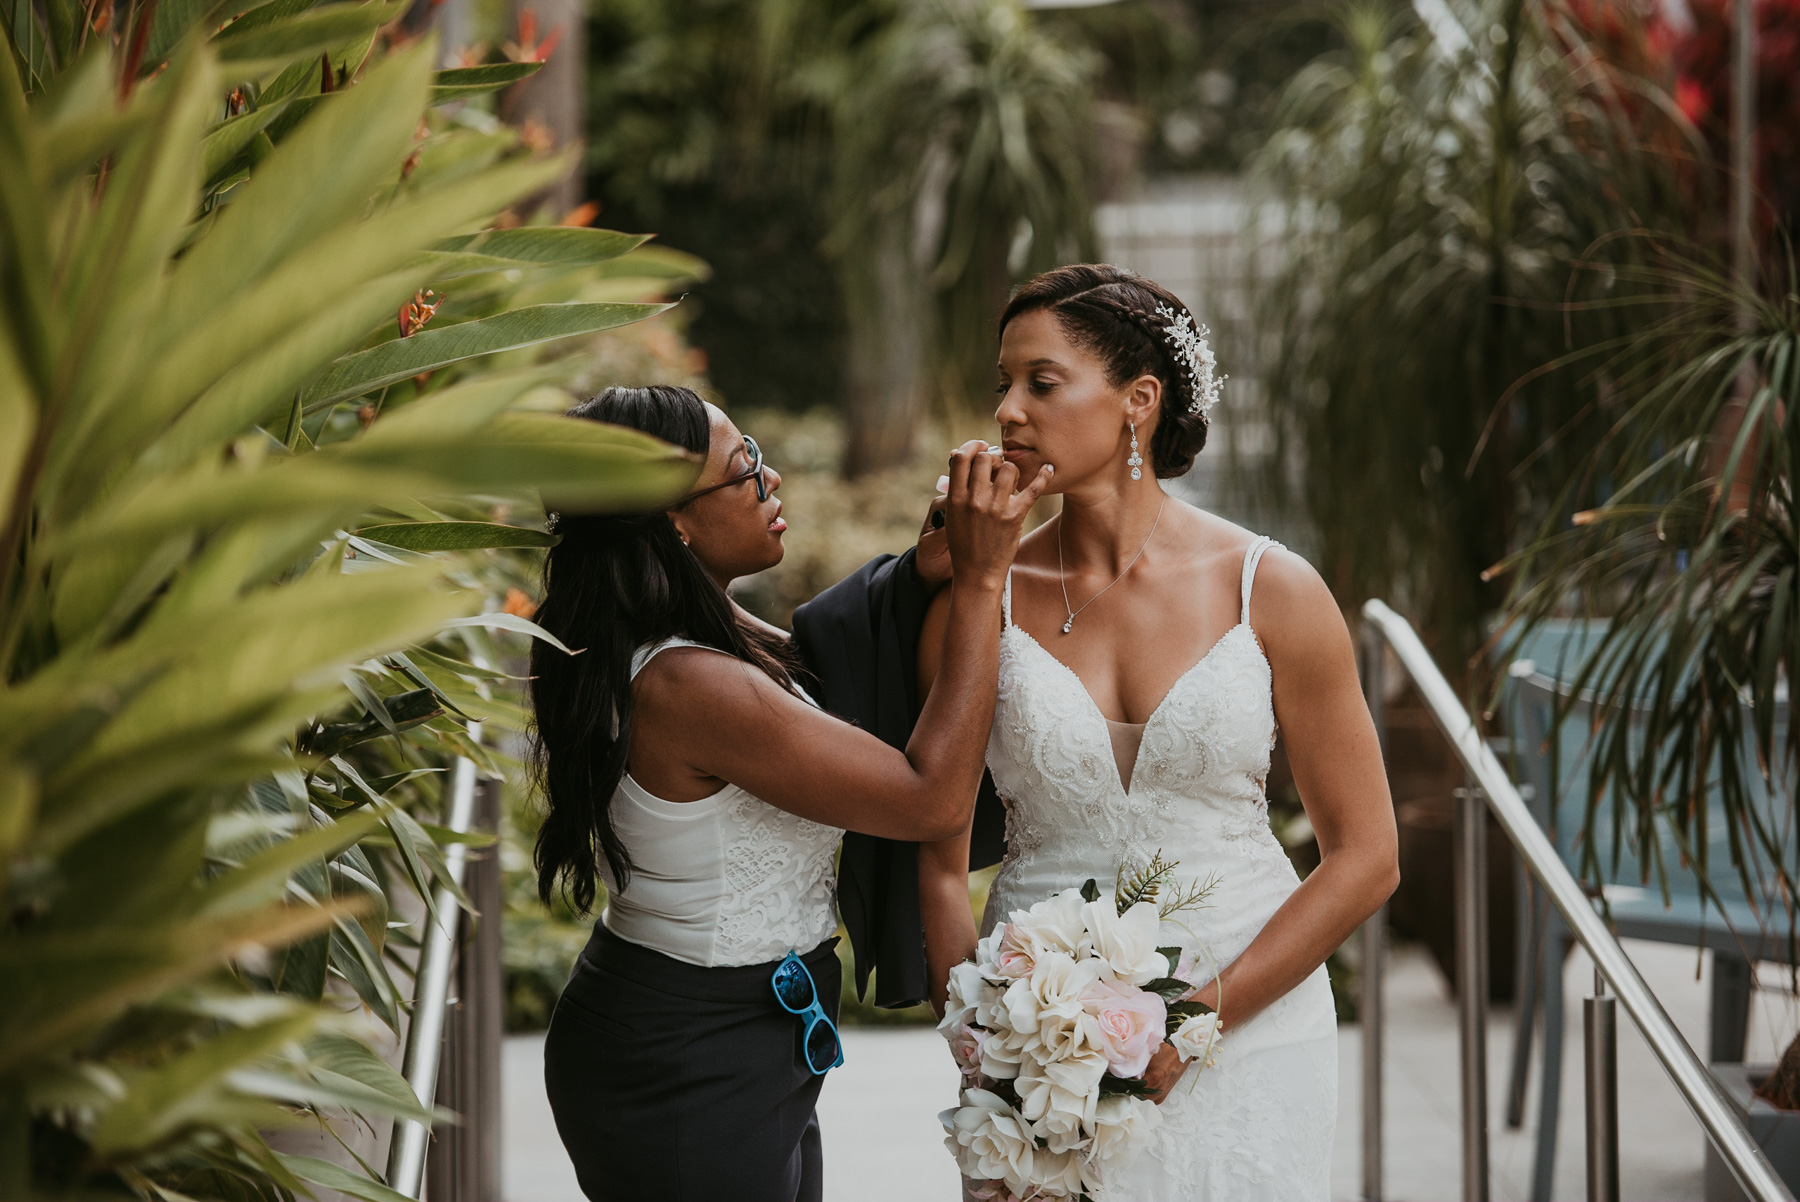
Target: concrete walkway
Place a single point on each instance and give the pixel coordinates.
(883, 1144)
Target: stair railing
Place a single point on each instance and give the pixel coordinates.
(1492, 790)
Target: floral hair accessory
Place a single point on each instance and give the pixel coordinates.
(1196, 356)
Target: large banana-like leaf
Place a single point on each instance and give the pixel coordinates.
(455, 536)
(462, 82)
(251, 48)
(546, 244)
(379, 366)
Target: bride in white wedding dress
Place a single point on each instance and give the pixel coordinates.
(1150, 654)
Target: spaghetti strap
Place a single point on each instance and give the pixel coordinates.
(1006, 601)
(1252, 557)
(649, 651)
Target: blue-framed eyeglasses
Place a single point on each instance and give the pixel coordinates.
(795, 990)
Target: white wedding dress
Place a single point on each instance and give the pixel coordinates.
(1258, 1125)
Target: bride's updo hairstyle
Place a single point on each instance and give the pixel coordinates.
(612, 583)
(1111, 312)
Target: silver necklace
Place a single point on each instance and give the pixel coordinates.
(1060, 579)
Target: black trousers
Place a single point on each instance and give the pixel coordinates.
(671, 1082)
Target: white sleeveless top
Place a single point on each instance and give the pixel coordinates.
(728, 880)
(1259, 1125)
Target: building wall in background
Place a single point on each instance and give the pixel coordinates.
(1192, 234)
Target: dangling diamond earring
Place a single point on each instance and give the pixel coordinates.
(1135, 459)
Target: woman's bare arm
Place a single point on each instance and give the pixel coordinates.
(1336, 759)
(725, 720)
(950, 932)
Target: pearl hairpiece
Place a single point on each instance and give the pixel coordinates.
(1196, 354)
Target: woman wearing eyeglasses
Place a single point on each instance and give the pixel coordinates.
(686, 771)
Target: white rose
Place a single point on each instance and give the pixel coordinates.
(1015, 1015)
(1127, 942)
(1075, 1038)
(1061, 1131)
(1045, 1008)
(1071, 1087)
(1058, 1174)
(967, 991)
(997, 1058)
(989, 1140)
(1122, 1126)
(990, 1009)
(1056, 924)
(1198, 1038)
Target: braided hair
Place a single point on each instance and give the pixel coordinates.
(1112, 312)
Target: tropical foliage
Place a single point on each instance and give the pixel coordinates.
(1691, 551)
(1438, 185)
(904, 161)
(235, 634)
(962, 162)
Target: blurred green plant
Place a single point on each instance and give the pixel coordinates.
(962, 161)
(1686, 539)
(228, 475)
(1436, 182)
(936, 150)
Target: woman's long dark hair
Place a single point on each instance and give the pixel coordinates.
(612, 584)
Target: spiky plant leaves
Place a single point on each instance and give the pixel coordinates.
(1691, 564)
(250, 48)
(180, 608)
(455, 536)
(404, 357)
(460, 83)
(1433, 194)
(546, 244)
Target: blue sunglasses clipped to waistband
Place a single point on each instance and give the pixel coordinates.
(795, 990)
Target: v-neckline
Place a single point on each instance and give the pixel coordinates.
(1094, 706)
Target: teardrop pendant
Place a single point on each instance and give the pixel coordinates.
(1067, 625)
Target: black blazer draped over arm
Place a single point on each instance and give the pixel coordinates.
(860, 640)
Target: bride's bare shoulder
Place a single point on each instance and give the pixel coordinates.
(1205, 535)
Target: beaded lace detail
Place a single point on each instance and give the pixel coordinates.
(1259, 1125)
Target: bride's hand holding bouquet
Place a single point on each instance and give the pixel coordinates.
(1054, 1024)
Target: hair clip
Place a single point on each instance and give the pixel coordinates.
(1196, 356)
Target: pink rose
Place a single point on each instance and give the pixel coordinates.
(1015, 956)
(1131, 1024)
(965, 1049)
(992, 1191)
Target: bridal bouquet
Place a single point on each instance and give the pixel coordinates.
(1053, 1025)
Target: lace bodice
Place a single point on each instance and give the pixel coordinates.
(726, 880)
(1197, 796)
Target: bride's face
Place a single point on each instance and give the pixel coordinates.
(1057, 405)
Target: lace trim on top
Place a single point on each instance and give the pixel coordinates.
(779, 870)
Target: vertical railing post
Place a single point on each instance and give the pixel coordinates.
(1374, 949)
(1600, 1023)
(1471, 985)
(431, 986)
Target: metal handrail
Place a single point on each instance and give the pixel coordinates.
(431, 990)
(1703, 1095)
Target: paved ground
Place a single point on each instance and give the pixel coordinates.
(883, 1143)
